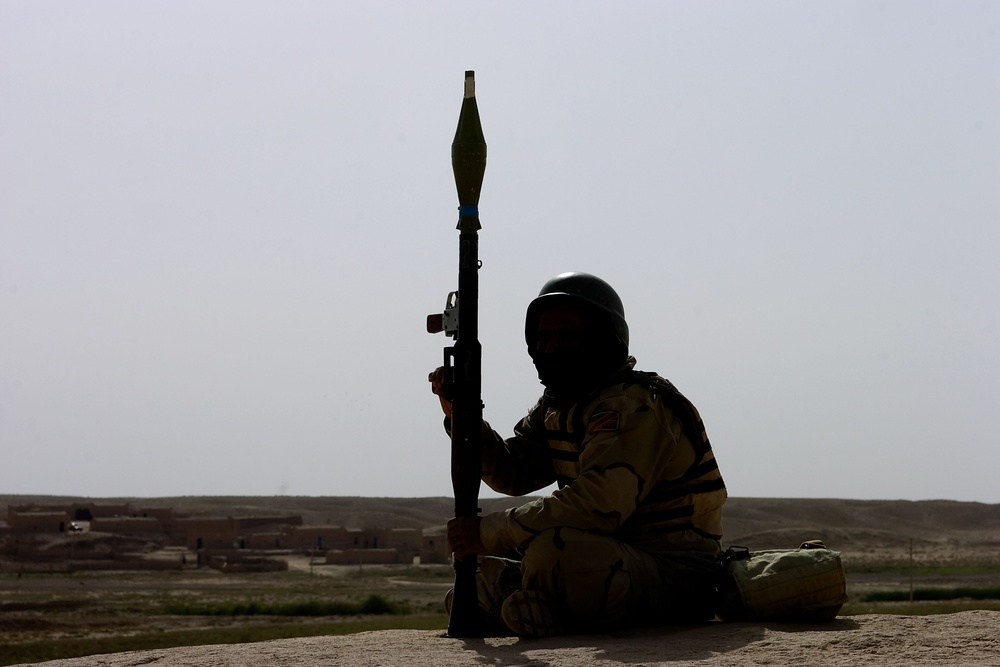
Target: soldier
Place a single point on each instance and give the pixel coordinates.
(632, 533)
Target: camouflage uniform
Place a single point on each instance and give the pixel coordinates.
(632, 533)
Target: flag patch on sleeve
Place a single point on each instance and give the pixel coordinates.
(603, 421)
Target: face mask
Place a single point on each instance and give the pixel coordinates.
(571, 375)
(565, 373)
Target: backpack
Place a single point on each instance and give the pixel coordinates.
(796, 585)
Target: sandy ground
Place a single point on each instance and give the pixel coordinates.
(965, 638)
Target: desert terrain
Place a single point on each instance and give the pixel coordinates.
(862, 530)
(185, 616)
(966, 639)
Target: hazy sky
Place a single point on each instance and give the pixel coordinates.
(222, 226)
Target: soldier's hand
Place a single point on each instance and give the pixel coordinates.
(464, 537)
(442, 388)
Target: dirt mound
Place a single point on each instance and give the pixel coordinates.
(967, 638)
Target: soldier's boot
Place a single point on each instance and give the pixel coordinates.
(531, 614)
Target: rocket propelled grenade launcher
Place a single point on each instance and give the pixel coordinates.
(463, 360)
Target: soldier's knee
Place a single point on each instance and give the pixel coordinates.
(600, 580)
(551, 550)
(559, 558)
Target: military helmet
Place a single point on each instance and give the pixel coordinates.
(583, 288)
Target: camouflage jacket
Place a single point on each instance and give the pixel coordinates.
(633, 461)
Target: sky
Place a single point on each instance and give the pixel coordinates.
(223, 224)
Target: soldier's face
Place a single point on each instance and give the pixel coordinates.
(561, 330)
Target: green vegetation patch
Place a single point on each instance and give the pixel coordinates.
(934, 594)
(373, 605)
(898, 567)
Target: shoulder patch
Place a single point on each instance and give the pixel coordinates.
(604, 421)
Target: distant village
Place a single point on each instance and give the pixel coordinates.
(83, 536)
